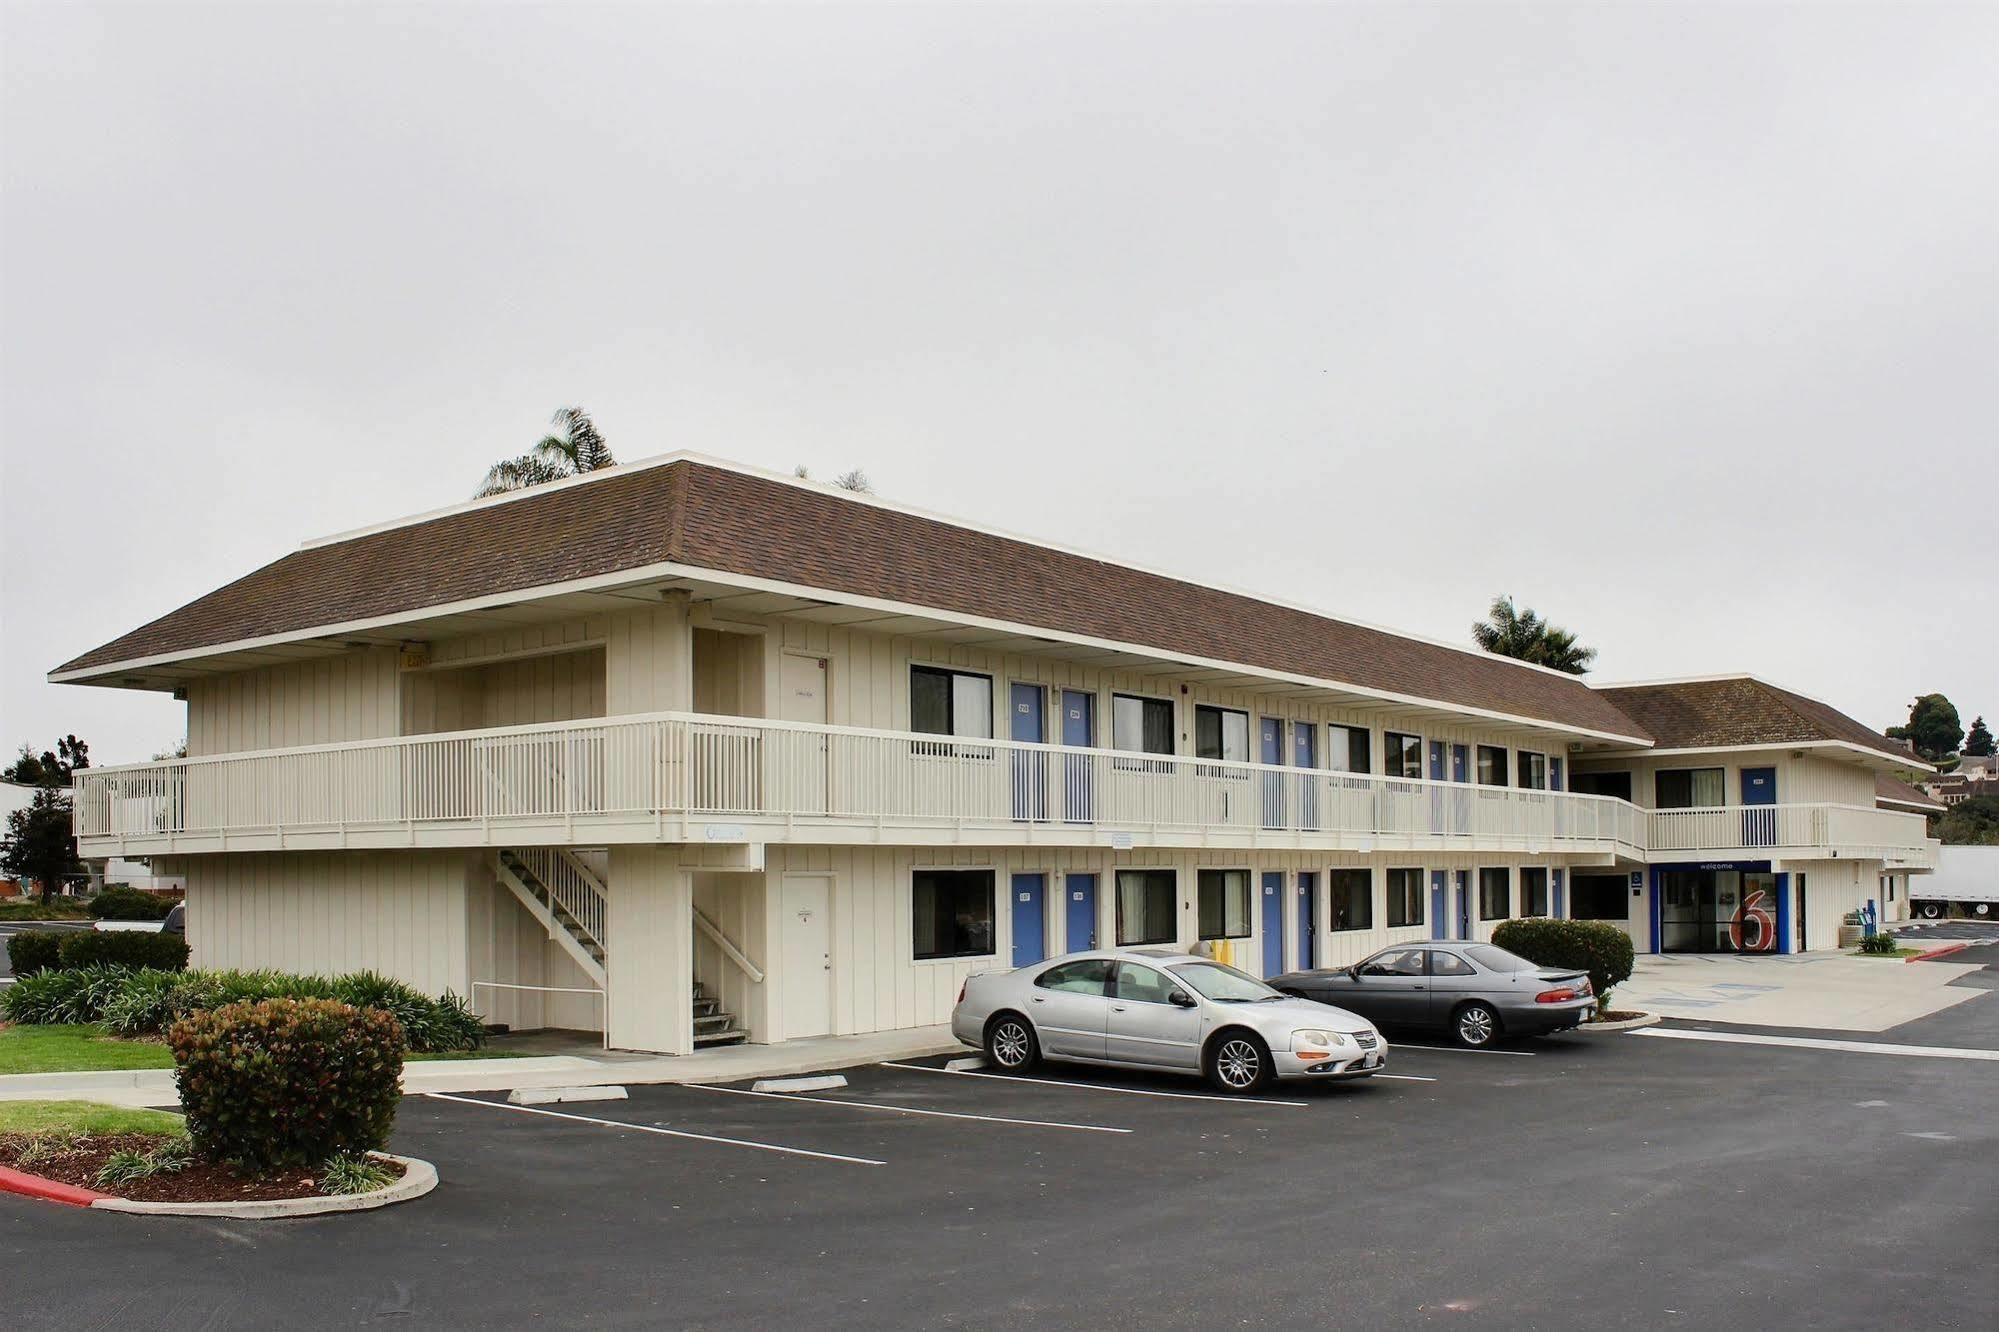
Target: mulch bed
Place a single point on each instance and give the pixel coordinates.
(1619, 1015)
(203, 1181)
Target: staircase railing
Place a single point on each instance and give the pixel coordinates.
(729, 950)
(573, 886)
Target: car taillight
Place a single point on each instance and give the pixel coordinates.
(1561, 996)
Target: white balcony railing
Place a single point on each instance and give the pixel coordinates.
(595, 777)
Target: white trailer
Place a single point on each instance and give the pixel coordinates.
(1966, 878)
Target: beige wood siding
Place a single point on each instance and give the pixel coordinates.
(517, 691)
(402, 913)
(1809, 779)
(330, 699)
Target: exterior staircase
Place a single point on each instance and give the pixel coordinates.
(565, 895)
(711, 1025)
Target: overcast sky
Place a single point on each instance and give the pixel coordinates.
(1679, 322)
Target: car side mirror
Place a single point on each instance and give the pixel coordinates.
(1354, 971)
(1179, 999)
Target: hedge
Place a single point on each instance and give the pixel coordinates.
(1604, 951)
(33, 951)
(124, 948)
(122, 903)
(147, 1001)
(287, 1082)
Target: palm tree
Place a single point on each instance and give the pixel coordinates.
(1510, 632)
(573, 448)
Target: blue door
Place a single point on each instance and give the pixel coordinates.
(1272, 753)
(1030, 918)
(1079, 731)
(1463, 896)
(1554, 772)
(1440, 916)
(1460, 763)
(1273, 924)
(1759, 826)
(1305, 757)
(1555, 903)
(1308, 889)
(1030, 768)
(1082, 922)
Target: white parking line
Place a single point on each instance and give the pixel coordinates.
(907, 1109)
(1814, 1043)
(654, 1128)
(1456, 1049)
(1404, 1077)
(1091, 1086)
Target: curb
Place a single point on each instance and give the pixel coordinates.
(34, 1186)
(1933, 954)
(1629, 1024)
(419, 1178)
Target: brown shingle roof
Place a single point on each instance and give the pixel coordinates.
(712, 517)
(1893, 790)
(1739, 710)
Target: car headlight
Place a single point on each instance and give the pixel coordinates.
(1317, 1040)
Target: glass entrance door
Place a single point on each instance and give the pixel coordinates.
(1717, 911)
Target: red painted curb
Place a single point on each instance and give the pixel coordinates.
(1935, 953)
(34, 1186)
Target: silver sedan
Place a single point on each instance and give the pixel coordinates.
(1157, 1009)
(1474, 991)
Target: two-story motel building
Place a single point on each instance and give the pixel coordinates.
(683, 749)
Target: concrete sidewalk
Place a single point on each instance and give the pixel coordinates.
(1828, 991)
(732, 1063)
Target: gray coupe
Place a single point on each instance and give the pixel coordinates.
(1157, 1009)
(1475, 991)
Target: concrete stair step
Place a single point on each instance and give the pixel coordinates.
(728, 1036)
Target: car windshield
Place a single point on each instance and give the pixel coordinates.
(1498, 959)
(1224, 985)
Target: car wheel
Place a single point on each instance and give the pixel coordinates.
(1010, 1043)
(1475, 1025)
(1239, 1063)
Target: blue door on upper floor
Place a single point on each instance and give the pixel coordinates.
(1460, 763)
(1081, 928)
(1308, 937)
(1079, 731)
(1030, 767)
(1273, 924)
(1271, 751)
(1305, 757)
(1030, 918)
(1759, 826)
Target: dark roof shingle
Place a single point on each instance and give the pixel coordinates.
(1739, 710)
(711, 517)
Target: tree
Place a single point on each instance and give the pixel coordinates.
(49, 768)
(1973, 822)
(39, 844)
(855, 480)
(1511, 632)
(573, 448)
(1933, 728)
(1978, 740)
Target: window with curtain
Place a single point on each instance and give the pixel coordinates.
(1145, 907)
(1495, 894)
(1221, 733)
(1141, 725)
(1491, 765)
(1401, 754)
(1351, 899)
(1533, 891)
(1405, 897)
(1600, 897)
(951, 913)
(1223, 902)
(945, 702)
(1533, 770)
(1348, 749)
(1690, 788)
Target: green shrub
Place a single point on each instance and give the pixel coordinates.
(348, 1173)
(169, 1158)
(1881, 941)
(1604, 951)
(122, 903)
(33, 951)
(125, 948)
(287, 1082)
(65, 995)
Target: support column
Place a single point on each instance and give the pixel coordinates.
(1785, 935)
(650, 997)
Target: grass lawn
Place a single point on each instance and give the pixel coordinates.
(75, 1049)
(1899, 952)
(56, 910)
(86, 1049)
(84, 1117)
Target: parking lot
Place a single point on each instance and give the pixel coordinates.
(1580, 1178)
